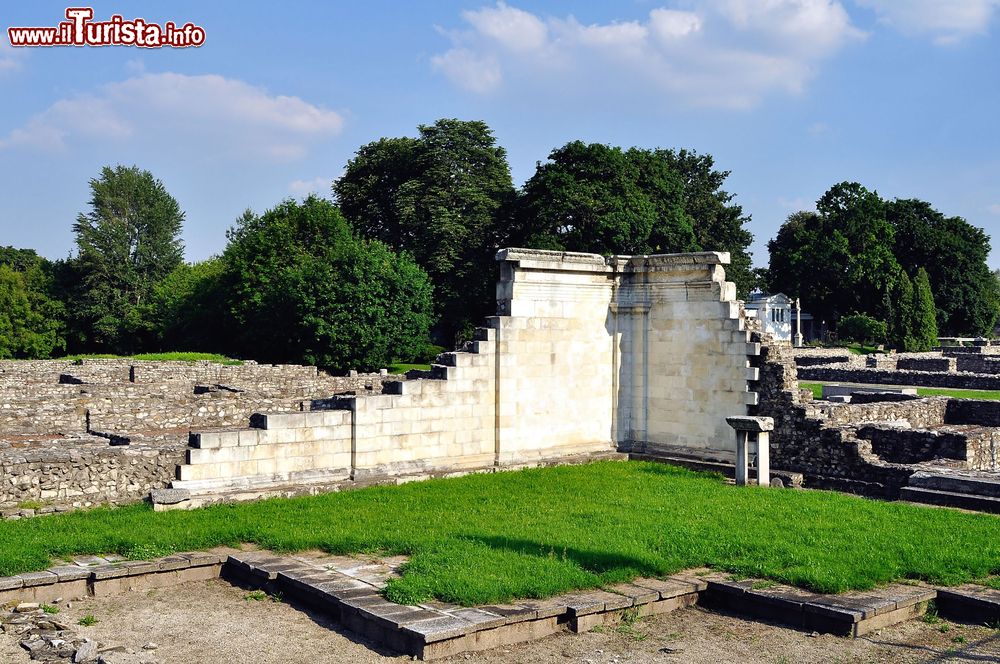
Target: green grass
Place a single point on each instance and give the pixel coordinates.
(536, 533)
(993, 395)
(174, 356)
(817, 390)
(403, 367)
(861, 349)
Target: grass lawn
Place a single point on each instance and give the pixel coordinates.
(403, 367)
(817, 390)
(175, 356)
(540, 532)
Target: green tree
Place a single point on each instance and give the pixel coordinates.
(810, 259)
(442, 197)
(838, 259)
(925, 331)
(903, 319)
(719, 223)
(954, 253)
(602, 199)
(127, 242)
(862, 328)
(301, 288)
(30, 325)
(859, 216)
(187, 308)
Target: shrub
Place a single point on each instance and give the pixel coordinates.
(862, 328)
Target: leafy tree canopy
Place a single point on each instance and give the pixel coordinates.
(954, 254)
(30, 323)
(300, 287)
(851, 254)
(127, 242)
(442, 197)
(603, 199)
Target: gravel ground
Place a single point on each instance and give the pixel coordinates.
(214, 622)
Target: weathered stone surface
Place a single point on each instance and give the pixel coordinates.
(87, 652)
(751, 423)
(169, 496)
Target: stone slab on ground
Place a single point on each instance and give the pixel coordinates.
(350, 589)
(102, 575)
(969, 603)
(847, 614)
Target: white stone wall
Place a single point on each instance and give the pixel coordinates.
(587, 355)
(685, 352)
(556, 355)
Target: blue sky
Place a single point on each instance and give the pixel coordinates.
(792, 96)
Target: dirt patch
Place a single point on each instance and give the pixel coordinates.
(215, 622)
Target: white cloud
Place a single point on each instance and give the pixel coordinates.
(945, 21)
(217, 114)
(818, 128)
(994, 208)
(10, 58)
(512, 28)
(727, 53)
(670, 24)
(469, 70)
(318, 185)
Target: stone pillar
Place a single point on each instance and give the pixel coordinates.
(798, 323)
(760, 426)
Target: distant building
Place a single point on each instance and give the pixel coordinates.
(777, 315)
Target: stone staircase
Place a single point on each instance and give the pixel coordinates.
(964, 489)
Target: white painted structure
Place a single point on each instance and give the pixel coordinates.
(774, 312)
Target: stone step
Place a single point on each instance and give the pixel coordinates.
(847, 614)
(969, 603)
(966, 501)
(957, 483)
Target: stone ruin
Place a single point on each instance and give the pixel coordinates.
(589, 357)
(956, 367)
(80, 433)
(883, 444)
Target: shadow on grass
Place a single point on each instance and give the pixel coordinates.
(678, 472)
(596, 562)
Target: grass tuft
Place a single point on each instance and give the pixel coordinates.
(536, 533)
(173, 356)
(403, 367)
(991, 395)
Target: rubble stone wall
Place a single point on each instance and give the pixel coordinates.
(964, 381)
(81, 472)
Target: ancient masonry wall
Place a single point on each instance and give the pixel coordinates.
(80, 471)
(587, 355)
(61, 396)
(805, 440)
(870, 447)
(76, 434)
(966, 381)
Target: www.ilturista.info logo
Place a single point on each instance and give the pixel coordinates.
(81, 30)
